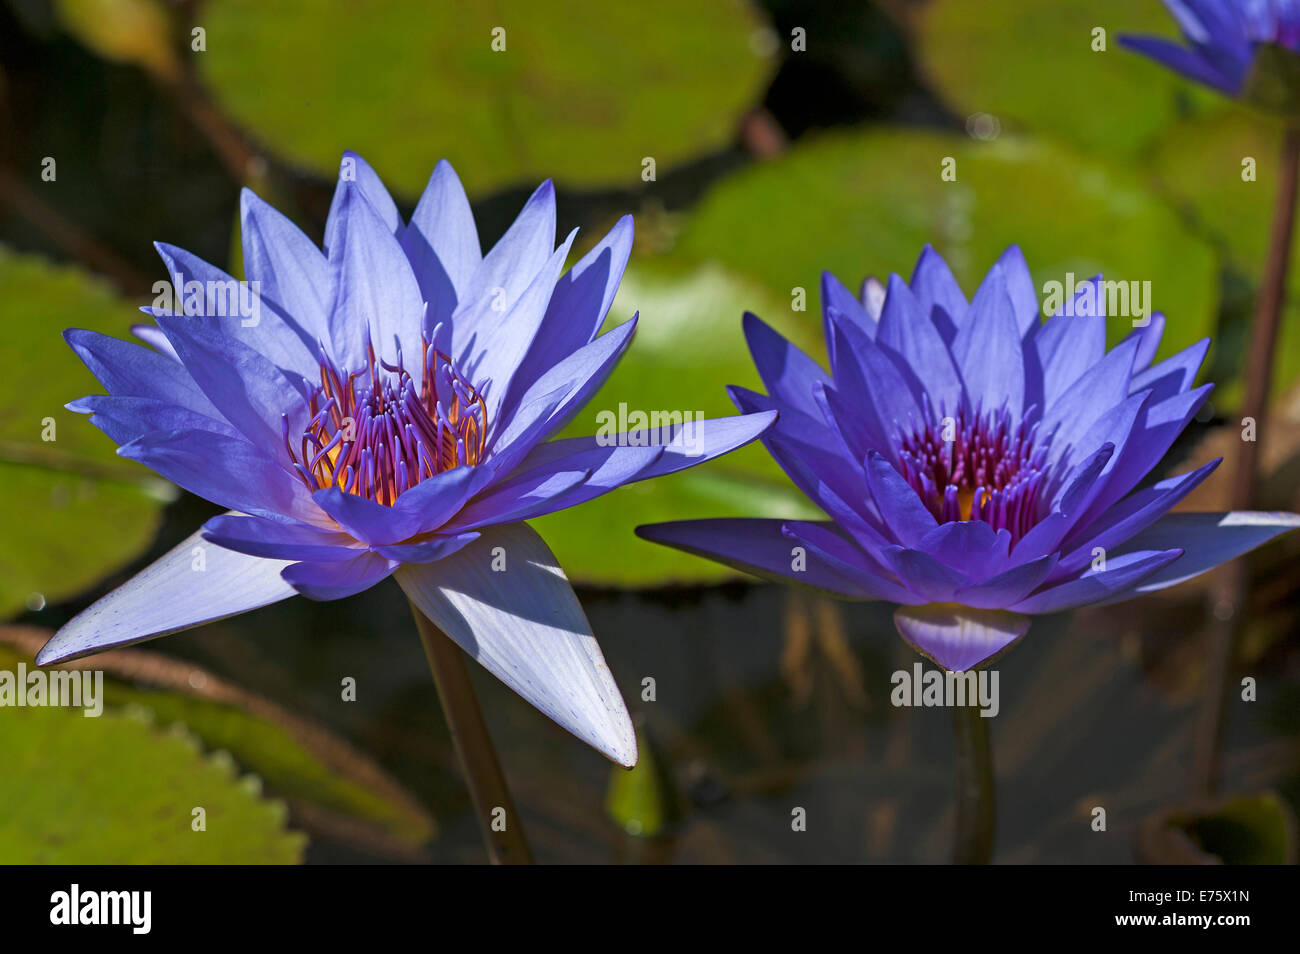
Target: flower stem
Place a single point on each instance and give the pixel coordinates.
(1229, 594)
(487, 785)
(973, 828)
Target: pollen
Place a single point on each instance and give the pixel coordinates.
(372, 432)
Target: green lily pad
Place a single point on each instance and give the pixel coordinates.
(125, 31)
(1250, 830)
(297, 760)
(688, 346)
(643, 800)
(1032, 64)
(865, 203)
(119, 790)
(583, 97)
(72, 510)
(1199, 165)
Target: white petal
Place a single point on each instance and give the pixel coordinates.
(525, 625)
(177, 592)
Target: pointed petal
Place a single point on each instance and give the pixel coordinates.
(128, 370)
(786, 372)
(236, 308)
(356, 174)
(275, 540)
(228, 471)
(293, 272)
(1208, 540)
(376, 290)
(938, 293)
(336, 579)
(194, 583)
(441, 242)
(757, 546)
(899, 506)
(1121, 573)
(988, 349)
(526, 627)
(908, 334)
(835, 297)
(125, 418)
(579, 303)
(1020, 288)
(1183, 60)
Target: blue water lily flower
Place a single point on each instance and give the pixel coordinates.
(979, 466)
(385, 410)
(1222, 37)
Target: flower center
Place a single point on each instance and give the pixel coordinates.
(373, 434)
(977, 467)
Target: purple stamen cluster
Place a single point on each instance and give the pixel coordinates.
(373, 433)
(974, 466)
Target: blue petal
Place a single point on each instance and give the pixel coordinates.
(835, 552)
(988, 349)
(192, 584)
(756, 546)
(938, 293)
(1007, 587)
(277, 540)
(249, 391)
(268, 331)
(1122, 572)
(367, 184)
(1095, 394)
(924, 575)
(958, 638)
(1067, 346)
(971, 547)
(435, 500)
(1136, 512)
(124, 419)
(524, 624)
(524, 249)
(1156, 429)
(836, 298)
(128, 370)
(788, 374)
(579, 303)
(378, 298)
(153, 336)
(908, 334)
(1149, 336)
(366, 520)
(1182, 60)
(898, 504)
(1020, 288)
(228, 471)
(293, 273)
(869, 379)
(1208, 540)
(501, 332)
(558, 395)
(441, 242)
(428, 551)
(334, 581)
(1172, 376)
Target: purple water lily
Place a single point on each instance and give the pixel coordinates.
(1222, 38)
(387, 412)
(978, 464)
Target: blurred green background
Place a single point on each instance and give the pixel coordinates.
(785, 138)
